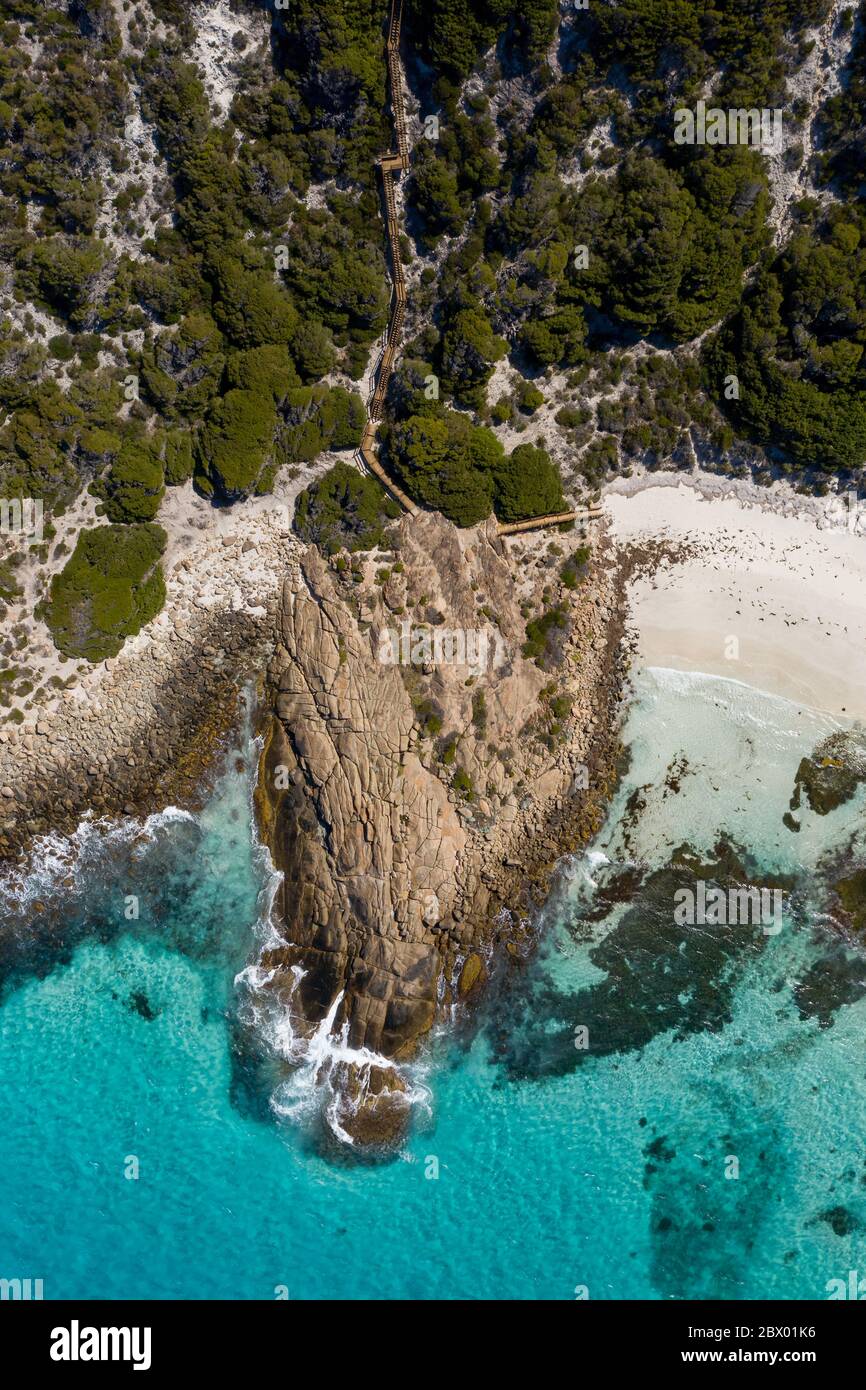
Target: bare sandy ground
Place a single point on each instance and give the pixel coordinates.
(772, 599)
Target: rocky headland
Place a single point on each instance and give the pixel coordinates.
(416, 808)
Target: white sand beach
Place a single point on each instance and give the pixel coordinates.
(773, 591)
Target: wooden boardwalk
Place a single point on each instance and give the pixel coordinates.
(514, 528)
(390, 165)
(397, 162)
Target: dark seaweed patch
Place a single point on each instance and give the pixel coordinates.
(841, 1220)
(660, 977)
(838, 978)
(139, 1003)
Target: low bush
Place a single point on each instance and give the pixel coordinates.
(109, 588)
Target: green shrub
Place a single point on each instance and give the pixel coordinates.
(109, 588)
(181, 370)
(234, 451)
(529, 398)
(796, 348)
(571, 570)
(65, 270)
(62, 347)
(319, 418)
(469, 351)
(179, 462)
(10, 589)
(314, 350)
(37, 449)
(344, 509)
(135, 484)
(543, 635)
(251, 309)
(462, 783)
(447, 463)
(527, 484)
(428, 717)
(570, 416)
(479, 712)
(268, 371)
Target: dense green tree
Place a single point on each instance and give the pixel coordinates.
(559, 337)
(842, 123)
(453, 34)
(250, 307)
(268, 371)
(319, 418)
(789, 366)
(527, 484)
(436, 193)
(447, 463)
(235, 447)
(336, 270)
(413, 389)
(65, 270)
(331, 62)
(38, 455)
(314, 351)
(135, 484)
(179, 458)
(470, 348)
(181, 370)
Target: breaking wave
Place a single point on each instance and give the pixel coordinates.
(311, 1060)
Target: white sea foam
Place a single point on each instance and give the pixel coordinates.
(62, 863)
(316, 1057)
(592, 860)
(746, 703)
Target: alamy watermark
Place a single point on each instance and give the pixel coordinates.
(847, 510)
(853, 1288)
(410, 645)
(20, 1290)
(77, 1343)
(21, 516)
(716, 907)
(760, 128)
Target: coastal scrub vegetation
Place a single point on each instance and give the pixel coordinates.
(344, 510)
(199, 303)
(794, 351)
(173, 306)
(561, 224)
(461, 469)
(110, 586)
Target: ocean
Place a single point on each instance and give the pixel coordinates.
(639, 1111)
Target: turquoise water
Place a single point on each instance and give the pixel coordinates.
(558, 1169)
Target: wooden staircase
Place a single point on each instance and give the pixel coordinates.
(396, 162)
(391, 165)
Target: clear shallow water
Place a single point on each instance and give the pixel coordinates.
(556, 1169)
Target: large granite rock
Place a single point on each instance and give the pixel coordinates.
(387, 891)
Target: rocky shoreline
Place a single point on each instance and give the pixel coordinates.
(140, 732)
